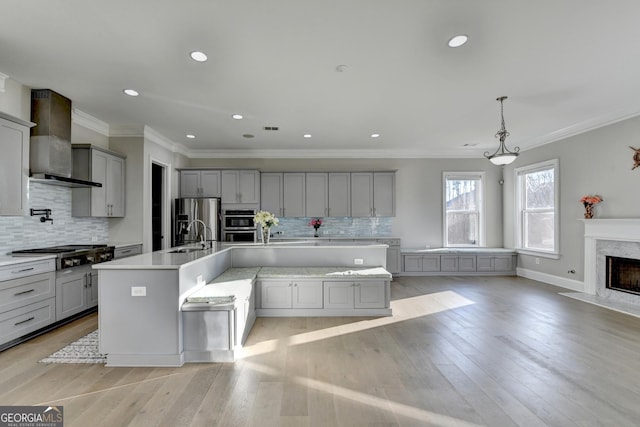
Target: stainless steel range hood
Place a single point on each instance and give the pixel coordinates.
(50, 158)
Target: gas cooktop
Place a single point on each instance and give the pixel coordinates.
(57, 249)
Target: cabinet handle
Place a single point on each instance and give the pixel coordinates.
(374, 211)
(295, 285)
(22, 271)
(24, 321)
(24, 292)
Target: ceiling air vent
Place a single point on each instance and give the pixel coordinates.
(271, 128)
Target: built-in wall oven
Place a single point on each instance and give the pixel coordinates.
(238, 225)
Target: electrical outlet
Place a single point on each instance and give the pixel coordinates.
(94, 238)
(138, 291)
(537, 260)
(358, 261)
(199, 279)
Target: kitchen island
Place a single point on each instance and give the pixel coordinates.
(141, 316)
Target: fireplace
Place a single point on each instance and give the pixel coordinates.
(623, 274)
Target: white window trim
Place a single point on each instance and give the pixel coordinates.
(519, 232)
(481, 208)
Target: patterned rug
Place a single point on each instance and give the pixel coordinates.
(85, 350)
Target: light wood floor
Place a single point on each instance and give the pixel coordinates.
(457, 352)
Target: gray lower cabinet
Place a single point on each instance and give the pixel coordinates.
(472, 263)
(358, 294)
(76, 291)
(27, 298)
(127, 251)
(295, 293)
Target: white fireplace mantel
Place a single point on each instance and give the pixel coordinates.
(620, 229)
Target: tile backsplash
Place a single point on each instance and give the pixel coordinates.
(22, 232)
(335, 227)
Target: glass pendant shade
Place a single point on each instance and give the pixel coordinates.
(502, 156)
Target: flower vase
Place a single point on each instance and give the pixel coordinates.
(588, 211)
(265, 235)
(316, 233)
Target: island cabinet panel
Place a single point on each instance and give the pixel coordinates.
(14, 168)
(359, 294)
(291, 293)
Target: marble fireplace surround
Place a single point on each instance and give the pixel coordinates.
(613, 237)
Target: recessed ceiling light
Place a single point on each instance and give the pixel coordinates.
(190, 136)
(198, 56)
(131, 92)
(375, 135)
(457, 41)
(237, 116)
(307, 135)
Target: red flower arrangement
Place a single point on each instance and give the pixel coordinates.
(588, 202)
(315, 223)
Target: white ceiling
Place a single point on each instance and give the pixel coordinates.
(566, 66)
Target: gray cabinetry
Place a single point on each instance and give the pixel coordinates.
(294, 293)
(372, 194)
(27, 298)
(200, 183)
(14, 166)
(76, 291)
(339, 194)
(317, 194)
(240, 186)
(271, 192)
(358, 294)
(106, 167)
(127, 251)
(294, 199)
(394, 260)
(490, 262)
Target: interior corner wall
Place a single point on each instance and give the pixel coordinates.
(16, 100)
(419, 209)
(595, 162)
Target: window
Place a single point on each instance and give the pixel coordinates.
(537, 207)
(463, 209)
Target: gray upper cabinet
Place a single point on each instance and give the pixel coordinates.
(200, 183)
(108, 168)
(240, 186)
(317, 191)
(339, 194)
(294, 199)
(14, 166)
(372, 194)
(271, 192)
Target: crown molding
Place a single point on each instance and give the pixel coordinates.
(154, 136)
(128, 131)
(3, 77)
(324, 154)
(580, 128)
(85, 120)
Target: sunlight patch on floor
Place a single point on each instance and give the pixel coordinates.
(428, 417)
(403, 309)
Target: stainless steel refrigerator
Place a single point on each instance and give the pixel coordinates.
(188, 211)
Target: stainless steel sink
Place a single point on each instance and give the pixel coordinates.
(184, 250)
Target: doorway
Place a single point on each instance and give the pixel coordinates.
(157, 205)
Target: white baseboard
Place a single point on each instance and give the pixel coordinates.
(574, 285)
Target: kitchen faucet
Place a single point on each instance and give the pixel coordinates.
(203, 236)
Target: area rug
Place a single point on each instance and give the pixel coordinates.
(85, 350)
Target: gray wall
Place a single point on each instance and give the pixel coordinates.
(595, 162)
(418, 220)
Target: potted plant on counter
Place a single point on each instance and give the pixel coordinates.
(316, 223)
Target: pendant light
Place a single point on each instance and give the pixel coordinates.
(502, 156)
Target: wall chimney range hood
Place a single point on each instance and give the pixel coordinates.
(50, 156)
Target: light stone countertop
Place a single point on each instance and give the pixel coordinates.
(323, 272)
(436, 251)
(7, 260)
(171, 259)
